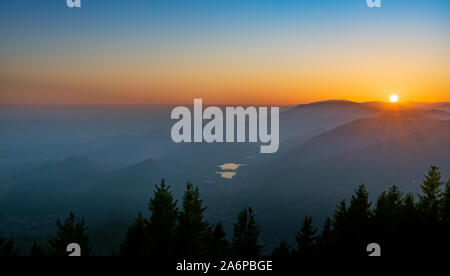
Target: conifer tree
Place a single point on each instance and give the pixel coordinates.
(359, 209)
(408, 222)
(163, 221)
(388, 205)
(430, 200)
(193, 230)
(386, 217)
(306, 238)
(246, 235)
(386, 211)
(325, 240)
(72, 230)
(340, 216)
(408, 216)
(219, 245)
(357, 226)
(339, 225)
(327, 229)
(138, 241)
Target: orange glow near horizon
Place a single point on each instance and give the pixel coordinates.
(235, 85)
(267, 93)
(283, 72)
(232, 80)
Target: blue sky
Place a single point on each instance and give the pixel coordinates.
(52, 16)
(269, 34)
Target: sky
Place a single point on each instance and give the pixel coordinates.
(272, 52)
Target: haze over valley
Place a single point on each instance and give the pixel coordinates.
(103, 163)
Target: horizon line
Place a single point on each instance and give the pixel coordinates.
(215, 104)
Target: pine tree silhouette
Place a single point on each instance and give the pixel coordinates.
(339, 237)
(396, 222)
(358, 224)
(163, 221)
(325, 240)
(408, 223)
(193, 230)
(388, 205)
(408, 216)
(246, 233)
(72, 230)
(340, 217)
(429, 202)
(359, 209)
(138, 241)
(219, 246)
(385, 220)
(306, 238)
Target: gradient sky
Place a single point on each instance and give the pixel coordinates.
(273, 52)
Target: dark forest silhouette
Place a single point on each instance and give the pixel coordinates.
(399, 223)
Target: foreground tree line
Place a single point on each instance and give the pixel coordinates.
(397, 222)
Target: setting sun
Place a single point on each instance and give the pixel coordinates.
(393, 98)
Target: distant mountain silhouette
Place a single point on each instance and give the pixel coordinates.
(308, 120)
(358, 134)
(444, 106)
(132, 176)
